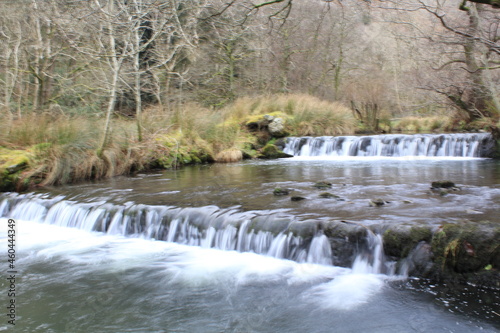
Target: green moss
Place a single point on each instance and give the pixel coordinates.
(10, 158)
(322, 185)
(12, 163)
(328, 195)
(463, 248)
(400, 240)
(257, 119)
(270, 151)
(281, 191)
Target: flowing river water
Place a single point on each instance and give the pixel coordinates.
(210, 249)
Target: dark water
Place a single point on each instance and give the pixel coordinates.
(405, 183)
(73, 280)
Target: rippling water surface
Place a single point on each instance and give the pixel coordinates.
(73, 280)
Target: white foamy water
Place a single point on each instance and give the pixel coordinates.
(392, 145)
(74, 280)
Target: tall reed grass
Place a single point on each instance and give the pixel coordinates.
(307, 115)
(64, 148)
(423, 124)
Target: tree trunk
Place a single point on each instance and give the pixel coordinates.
(478, 100)
(137, 84)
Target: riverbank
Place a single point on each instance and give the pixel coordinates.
(46, 149)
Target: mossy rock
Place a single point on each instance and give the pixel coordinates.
(270, 151)
(256, 120)
(249, 153)
(281, 191)
(328, 195)
(12, 163)
(468, 247)
(322, 185)
(399, 240)
(443, 184)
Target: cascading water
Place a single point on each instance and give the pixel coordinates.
(127, 262)
(209, 227)
(393, 145)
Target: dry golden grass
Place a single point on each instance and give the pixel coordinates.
(308, 115)
(229, 156)
(64, 149)
(423, 124)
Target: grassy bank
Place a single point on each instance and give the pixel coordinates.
(47, 149)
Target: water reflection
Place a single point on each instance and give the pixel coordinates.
(249, 185)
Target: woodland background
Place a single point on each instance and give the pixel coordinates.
(131, 84)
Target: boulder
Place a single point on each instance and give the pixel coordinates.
(276, 128)
(270, 151)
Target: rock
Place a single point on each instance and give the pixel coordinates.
(467, 247)
(297, 198)
(280, 143)
(268, 117)
(328, 195)
(419, 261)
(400, 240)
(281, 191)
(272, 124)
(304, 229)
(442, 184)
(272, 223)
(270, 151)
(322, 185)
(277, 128)
(377, 202)
(345, 238)
(16, 167)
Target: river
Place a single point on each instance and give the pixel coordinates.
(210, 249)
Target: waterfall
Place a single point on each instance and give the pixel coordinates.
(373, 261)
(208, 227)
(393, 145)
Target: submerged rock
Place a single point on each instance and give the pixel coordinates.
(281, 191)
(322, 185)
(377, 202)
(442, 184)
(297, 198)
(328, 195)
